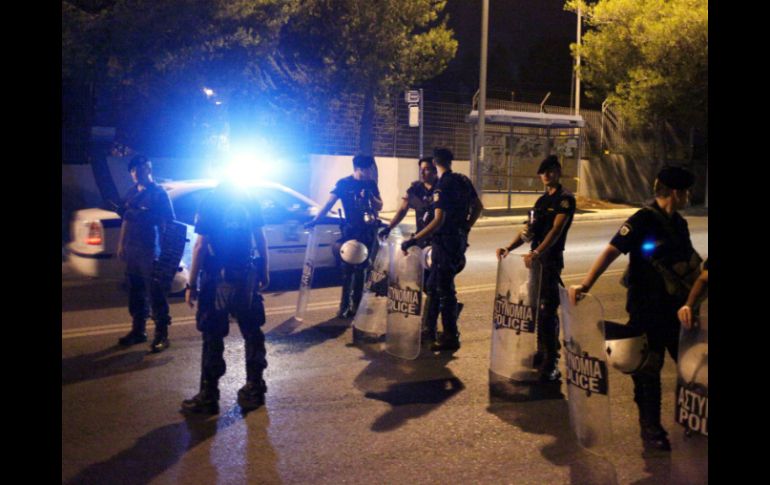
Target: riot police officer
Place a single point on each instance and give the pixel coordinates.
(546, 231)
(419, 196)
(361, 202)
(456, 208)
(230, 229)
(663, 265)
(145, 212)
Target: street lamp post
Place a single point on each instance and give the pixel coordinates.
(482, 88)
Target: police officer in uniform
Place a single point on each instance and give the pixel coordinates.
(419, 196)
(456, 208)
(662, 267)
(145, 212)
(547, 231)
(229, 225)
(361, 202)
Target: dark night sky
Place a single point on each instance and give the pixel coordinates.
(528, 48)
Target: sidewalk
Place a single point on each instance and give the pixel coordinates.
(518, 215)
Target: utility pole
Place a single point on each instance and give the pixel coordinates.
(482, 88)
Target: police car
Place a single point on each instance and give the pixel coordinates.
(94, 233)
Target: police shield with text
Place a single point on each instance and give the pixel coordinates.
(456, 208)
(663, 265)
(586, 365)
(692, 390)
(372, 313)
(405, 303)
(546, 231)
(514, 319)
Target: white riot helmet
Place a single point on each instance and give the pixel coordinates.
(354, 252)
(694, 365)
(627, 349)
(427, 257)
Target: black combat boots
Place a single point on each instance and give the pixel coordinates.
(160, 342)
(205, 402)
(252, 395)
(137, 334)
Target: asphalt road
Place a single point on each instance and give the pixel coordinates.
(338, 412)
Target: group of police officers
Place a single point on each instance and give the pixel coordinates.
(663, 265)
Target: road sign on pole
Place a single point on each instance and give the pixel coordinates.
(414, 116)
(412, 97)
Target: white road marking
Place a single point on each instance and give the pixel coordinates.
(280, 310)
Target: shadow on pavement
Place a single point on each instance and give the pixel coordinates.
(536, 409)
(103, 364)
(413, 388)
(160, 449)
(293, 343)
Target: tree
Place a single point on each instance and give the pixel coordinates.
(649, 58)
(360, 47)
(145, 55)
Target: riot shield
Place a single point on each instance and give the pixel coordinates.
(372, 313)
(514, 319)
(307, 273)
(172, 242)
(692, 386)
(405, 306)
(586, 362)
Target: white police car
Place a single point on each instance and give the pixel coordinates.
(94, 232)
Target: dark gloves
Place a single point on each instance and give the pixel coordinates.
(385, 232)
(408, 244)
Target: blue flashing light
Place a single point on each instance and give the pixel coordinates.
(245, 165)
(648, 246)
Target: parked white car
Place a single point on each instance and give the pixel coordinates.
(94, 232)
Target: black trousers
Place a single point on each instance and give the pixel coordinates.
(662, 331)
(448, 259)
(217, 301)
(354, 275)
(139, 289)
(548, 317)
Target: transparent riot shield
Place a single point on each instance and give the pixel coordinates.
(691, 404)
(307, 273)
(514, 319)
(586, 363)
(405, 305)
(372, 313)
(692, 387)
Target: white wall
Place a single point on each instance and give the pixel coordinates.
(395, 176)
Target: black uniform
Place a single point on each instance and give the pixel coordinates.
(420, 198)
(360, 224)
(547, 207)
(452, 194)
(661, 259)
(228, 286)
(144, 213)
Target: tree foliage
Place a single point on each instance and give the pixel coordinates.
(649, 58)
(151, 57)
(365, 48)
(260, 56)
